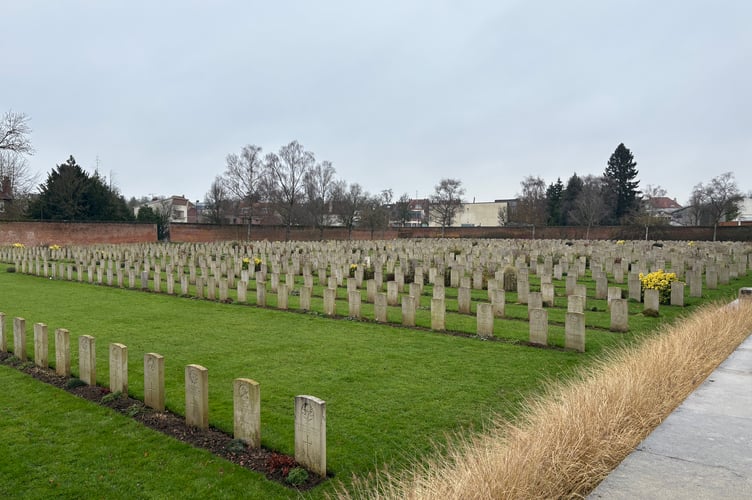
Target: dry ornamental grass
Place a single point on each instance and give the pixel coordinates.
(573, 436)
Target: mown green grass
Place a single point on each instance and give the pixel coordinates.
(56, 445)
(390, 392)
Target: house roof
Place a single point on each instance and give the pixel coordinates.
(663, 203)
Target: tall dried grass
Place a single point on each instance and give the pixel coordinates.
(570, 438)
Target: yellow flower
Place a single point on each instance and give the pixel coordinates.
(18, 245)
(620, 242)
(54, 247)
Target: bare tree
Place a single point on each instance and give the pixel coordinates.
(402, 209)
(531, 204)
(16, 183)
(242, 179)
(696, 205)
(719, 200)
(14, 133)
(349, 201)
(589, 207)
(446, 202)
(284, 180)
(216, 201)
(319, 184)
(375, 212)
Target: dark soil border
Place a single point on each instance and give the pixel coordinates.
(275, 466)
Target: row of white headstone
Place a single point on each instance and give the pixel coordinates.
(310, 412)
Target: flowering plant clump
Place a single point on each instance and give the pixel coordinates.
(691, 243)
(246, 263)
(620, 242)
(257, 264)
(353, 268)
(661, 281)
(54, 247)
(18, 245)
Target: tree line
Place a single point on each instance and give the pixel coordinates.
(290, 187)
(614, 198)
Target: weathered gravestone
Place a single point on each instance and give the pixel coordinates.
(330, 294)
(247, 411)
(547, 294)
(463, 300)
(538, 326)
(87, 359)
(154, 389)
(498, 300)
(353, 303)
(438, 314)
(19, 338)
(118, 368)
(197, 396)
(576, 303)
(282, 296)
(261, 293)
(62, 352)
(305, 298)
(614, 292)
(619, 315)
(380, 307)
(40, 345)
(652, 300)
(677, 293)
(310, 433)
(408, 311)
(534, 301)
(574, 331)
(484, 320)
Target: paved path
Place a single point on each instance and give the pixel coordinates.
(702, 450)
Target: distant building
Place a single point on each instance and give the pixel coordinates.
(180, 208)
(477, 214)
(664, 208)
(745, 211)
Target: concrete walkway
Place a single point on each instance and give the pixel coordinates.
(702, 450)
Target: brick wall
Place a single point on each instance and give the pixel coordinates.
(82, 233)
(197, 233)
(75, 233)
(736, 233)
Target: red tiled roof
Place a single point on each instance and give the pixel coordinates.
(663, 202)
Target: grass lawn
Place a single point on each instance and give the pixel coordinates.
(390, 391)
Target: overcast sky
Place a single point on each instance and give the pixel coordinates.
(396, 94)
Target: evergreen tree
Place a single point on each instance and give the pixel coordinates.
(620, 175)
(70, 193)
(569, 197)
(554, 200)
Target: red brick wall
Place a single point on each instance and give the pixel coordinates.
(196, 233)
(736, 233)
(75, 233)
(82, 233)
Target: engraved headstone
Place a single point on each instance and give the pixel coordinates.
(19, 338)
(438, 314)
(539, 326)
(247, 411)
(87, 359)
(619, 315)
(118, 368)
(197, 396)
(41, 348)
(574, 331)
(310, 433)
(62, 352)
(154, 388)
(484, 320)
